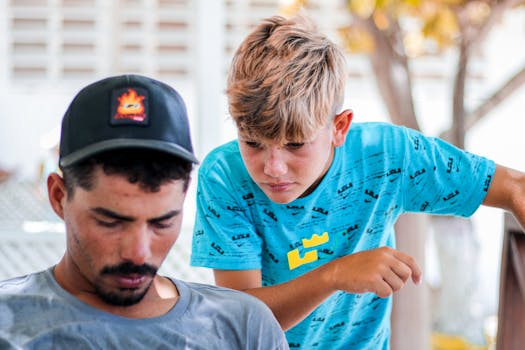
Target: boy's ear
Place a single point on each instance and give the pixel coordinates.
(56, 191)
(341, 126)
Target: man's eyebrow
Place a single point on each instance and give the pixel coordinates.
(111, 214)
(166, 216)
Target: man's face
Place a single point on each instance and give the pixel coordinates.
(118, 235)
(286, 171)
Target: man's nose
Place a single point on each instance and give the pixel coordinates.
(135, 245)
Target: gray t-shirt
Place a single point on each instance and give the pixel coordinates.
(36, 313)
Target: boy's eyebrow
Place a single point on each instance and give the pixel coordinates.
(111, 214)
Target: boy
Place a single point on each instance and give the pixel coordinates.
(299, 211)
(126, 158)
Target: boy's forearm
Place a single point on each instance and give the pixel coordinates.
(507, 192)
(292, 301)
(382, 271)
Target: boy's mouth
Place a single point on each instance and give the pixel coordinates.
(278, 187)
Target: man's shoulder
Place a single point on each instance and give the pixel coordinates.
(239, 318)
(22, 284)
(219, 292)
(233, 299)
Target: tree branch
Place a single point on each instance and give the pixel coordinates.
(393, 78)
(508, 88)
(500, 95)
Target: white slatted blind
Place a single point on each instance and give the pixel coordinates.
(52, 41)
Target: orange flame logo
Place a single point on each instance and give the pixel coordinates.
(130, 103)
(130, 106)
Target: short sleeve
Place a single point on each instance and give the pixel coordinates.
(224, 236)
(443, 179)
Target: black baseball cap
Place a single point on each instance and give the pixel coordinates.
(126, 111)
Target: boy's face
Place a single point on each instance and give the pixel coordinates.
(289, 170)
(118, 235)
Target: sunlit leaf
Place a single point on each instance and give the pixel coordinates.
(356, 40)
(362, 8)
(412, 3)
(452, 2)
(477, 12)
(442, 27)
(414, 43)
(426, 24)
(384, 4)
(381, 20)
(292, 7)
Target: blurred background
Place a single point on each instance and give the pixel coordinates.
(451, 68)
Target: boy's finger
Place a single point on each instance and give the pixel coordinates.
(417, 274)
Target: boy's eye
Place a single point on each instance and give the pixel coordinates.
(294, 145)
(253, 144)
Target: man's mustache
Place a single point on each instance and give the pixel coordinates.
(128, 268)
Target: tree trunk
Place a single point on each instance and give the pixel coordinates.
(392, 75)
(458, 100)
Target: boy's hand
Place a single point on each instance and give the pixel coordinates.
(382, 271)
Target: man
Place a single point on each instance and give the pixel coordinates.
(300, 210)
(126, 158)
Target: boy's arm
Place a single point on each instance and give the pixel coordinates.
(507, 192)
(381, 271)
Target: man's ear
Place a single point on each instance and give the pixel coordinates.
(56, 191)
(341, 126)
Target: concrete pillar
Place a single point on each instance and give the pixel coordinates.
(411, 311)
(210, 74)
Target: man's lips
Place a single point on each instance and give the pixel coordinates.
(129, 276)
(131, 281)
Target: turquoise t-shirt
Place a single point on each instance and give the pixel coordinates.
(380, 172)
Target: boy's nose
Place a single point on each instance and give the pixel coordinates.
(275, 166)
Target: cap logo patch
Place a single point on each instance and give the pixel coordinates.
(129, 106)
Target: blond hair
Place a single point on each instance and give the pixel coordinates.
(286, 80)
